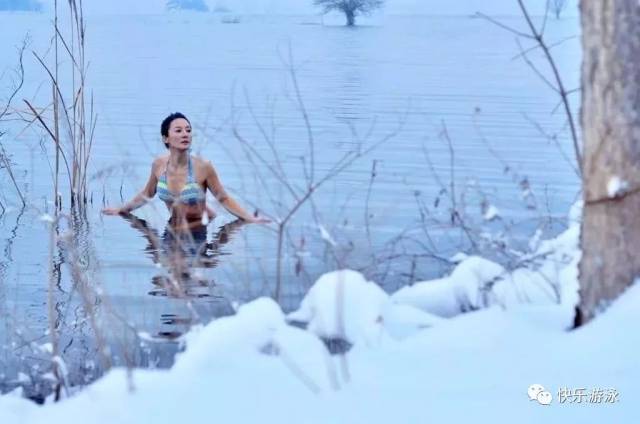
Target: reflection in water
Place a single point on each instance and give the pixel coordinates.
(90, 322)
(60, 315)
(182, 253)
(374, 77)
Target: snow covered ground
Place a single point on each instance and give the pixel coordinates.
(415, 357)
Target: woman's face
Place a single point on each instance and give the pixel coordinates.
(179, 134)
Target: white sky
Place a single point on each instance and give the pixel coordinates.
(434, 7)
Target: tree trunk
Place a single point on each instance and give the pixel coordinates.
(351, 17)
(611, 161)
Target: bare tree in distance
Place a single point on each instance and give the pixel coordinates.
(350, 8)
(611, 131)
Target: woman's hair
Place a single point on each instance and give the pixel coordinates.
(166, 123)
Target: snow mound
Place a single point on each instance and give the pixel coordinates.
(344, 305)
(254, 367)
(462, 291)
(548, 276)
(403, 321)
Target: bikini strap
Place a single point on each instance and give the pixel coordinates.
(190, 170)
(166, 168)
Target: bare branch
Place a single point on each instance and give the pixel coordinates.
(560, 85)
(503, 26)
(20, 71)
(53, 137)
(550, 46)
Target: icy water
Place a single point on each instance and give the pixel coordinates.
(445, 93)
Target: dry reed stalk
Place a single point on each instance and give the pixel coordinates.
(52, 319)
(71, 111)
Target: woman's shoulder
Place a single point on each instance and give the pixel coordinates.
(204, 168)
(202, 163)
(159, 162)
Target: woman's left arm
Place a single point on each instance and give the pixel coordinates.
(215, 186)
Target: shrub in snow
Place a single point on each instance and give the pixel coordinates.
(344, 305)
(465, 289)
(548, 275)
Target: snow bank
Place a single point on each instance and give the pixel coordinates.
(252, 356)
(460, 292)
(476, 365)
(344, 305)
(254, 367)
(547, 276)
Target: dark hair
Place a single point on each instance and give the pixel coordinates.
(166, 123)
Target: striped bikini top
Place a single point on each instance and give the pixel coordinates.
(191, 193)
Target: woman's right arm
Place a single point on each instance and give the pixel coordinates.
(141, 198)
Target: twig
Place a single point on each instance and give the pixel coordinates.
(558, 87)
(551, 46)
(53, 137)
(305, 116)
(366, 203)
(7, 165)
(503, 26)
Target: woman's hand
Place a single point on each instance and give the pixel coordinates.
(113, 211)
(211, 214)
(258, 220)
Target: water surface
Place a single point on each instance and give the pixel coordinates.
(409, 79)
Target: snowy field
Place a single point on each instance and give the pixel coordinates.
(415, 357)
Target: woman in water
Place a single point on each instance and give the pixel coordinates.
(181, 181)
